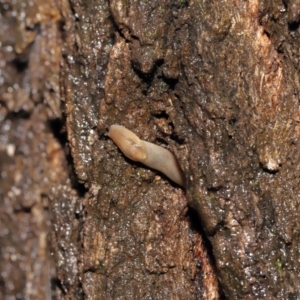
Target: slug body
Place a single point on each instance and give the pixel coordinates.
(149, 154)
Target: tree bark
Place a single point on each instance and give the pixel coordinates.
(216, 83)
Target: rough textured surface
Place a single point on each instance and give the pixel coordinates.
(32, 158)
(245, 186)
(36, 176)
(137, 240)
(217, 83)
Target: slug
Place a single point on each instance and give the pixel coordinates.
(149, 154)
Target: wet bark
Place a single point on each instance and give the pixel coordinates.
(217, 83)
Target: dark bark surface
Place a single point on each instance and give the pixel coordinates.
(217, 83)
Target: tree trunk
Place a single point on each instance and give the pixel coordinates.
(214, 82)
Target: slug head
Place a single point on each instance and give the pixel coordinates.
(128, 142)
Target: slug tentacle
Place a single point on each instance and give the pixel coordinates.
(149, 154)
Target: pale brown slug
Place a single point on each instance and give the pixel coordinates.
(151, 155)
